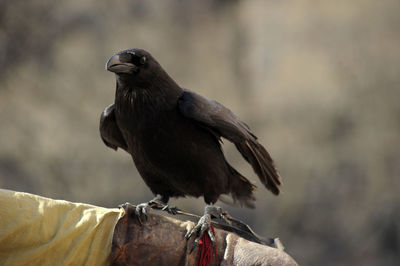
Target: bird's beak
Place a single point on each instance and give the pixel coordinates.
(115, 65)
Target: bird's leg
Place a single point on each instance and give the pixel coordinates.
(203, 225)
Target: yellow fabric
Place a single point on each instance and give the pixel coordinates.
(36, 230)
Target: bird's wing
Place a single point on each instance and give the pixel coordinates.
(109, 130)
(217, 118)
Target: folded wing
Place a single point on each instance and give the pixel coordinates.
(219, 119)
(109, 130)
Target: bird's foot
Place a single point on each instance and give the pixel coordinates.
(137, 211)
(159, 205)
(141, 211)
(203, 225)
(170, 210)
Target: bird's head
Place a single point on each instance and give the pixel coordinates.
(135, 66)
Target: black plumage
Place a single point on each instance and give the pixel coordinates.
(174, 135)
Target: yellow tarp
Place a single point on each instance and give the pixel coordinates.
(36, 230)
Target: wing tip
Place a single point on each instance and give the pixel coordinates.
(265, 169)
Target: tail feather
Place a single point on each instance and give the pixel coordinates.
(262, 164)
(242, 189)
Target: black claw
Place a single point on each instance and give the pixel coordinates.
(188, 235)
(196, 229)
(211, 235)
(170, 210)
(193, 230)
(195, 244)
(141, 212)
(138, 218)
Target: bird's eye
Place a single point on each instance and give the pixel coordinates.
(143, 60)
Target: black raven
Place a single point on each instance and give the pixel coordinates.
(174, 137)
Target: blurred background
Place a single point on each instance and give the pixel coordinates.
(317, 81)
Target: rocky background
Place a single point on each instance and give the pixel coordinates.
(318, 81)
